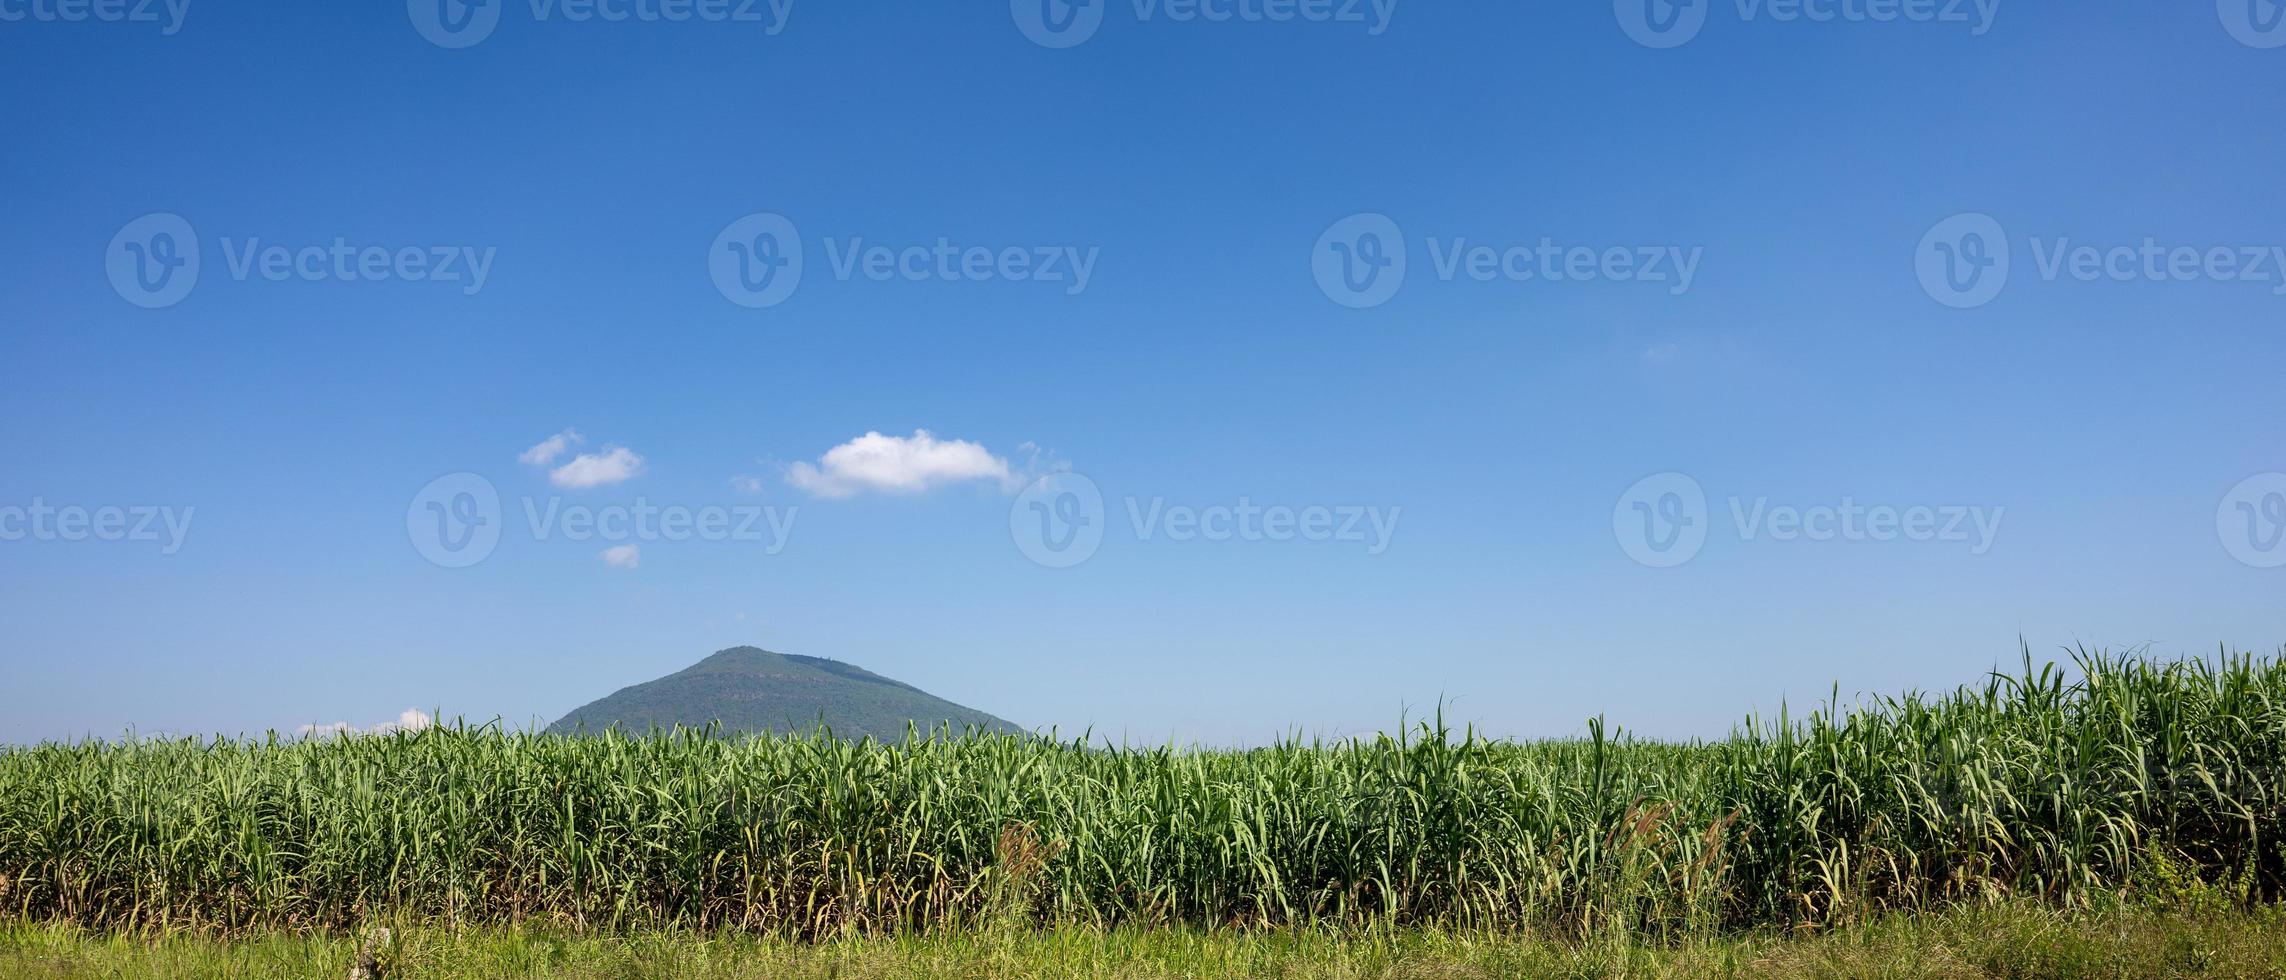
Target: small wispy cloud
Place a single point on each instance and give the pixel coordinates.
(897, 464)
(746, 484)
(623, 556)
(1667, 353)
(409, 720)
(615, 464)
(551, 447)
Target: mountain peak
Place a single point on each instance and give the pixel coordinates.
(738, 659)
(748, 689)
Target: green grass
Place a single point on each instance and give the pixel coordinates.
(2061, 788)
(2014, 940)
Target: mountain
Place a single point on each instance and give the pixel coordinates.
(752, 690)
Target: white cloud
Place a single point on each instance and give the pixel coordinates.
(408, 720)
(746, 484)
(551, 447)
(615, 464)
(897, 465)
(623, 556)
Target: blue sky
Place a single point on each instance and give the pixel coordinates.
(2117, 430)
